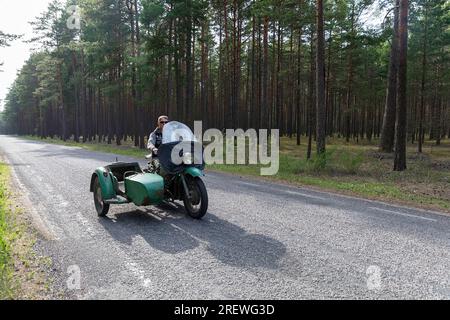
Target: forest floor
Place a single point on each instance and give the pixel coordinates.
(356, 169)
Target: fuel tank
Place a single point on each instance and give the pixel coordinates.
(145, 189)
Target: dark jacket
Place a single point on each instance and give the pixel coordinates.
(155, 140)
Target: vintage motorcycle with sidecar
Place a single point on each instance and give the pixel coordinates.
(176, 174)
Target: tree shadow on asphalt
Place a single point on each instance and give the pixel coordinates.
(167, 228)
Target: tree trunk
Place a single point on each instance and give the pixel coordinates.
(265, 86)
(400, 127)
(320, 80)
(311, 103)
(279, 85)
(204, 74)
(139, 78)
(299, 85)
(389, 119)
(350, 77)
(422, 86)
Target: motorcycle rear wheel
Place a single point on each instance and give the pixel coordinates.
(101, 207)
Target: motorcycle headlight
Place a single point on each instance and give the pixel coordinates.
(188, 159)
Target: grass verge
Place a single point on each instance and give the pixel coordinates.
(7, 236)
(21, 269)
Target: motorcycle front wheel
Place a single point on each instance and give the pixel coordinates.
(196, 203)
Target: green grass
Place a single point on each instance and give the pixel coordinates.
(350, 168)
(22, 274)
(8, 234)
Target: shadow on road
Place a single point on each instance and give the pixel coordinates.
(167, 229)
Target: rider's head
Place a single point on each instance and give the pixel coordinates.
(162, 121)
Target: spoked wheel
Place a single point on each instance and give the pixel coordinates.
(101, 207)
(197, 204)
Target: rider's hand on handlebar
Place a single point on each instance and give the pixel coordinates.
(155, 151)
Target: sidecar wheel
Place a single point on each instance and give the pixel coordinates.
(101, 207)
(197, 206)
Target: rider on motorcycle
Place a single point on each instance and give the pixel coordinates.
(155, 139)
(154, 142)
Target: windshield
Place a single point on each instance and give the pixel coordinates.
(177, 132)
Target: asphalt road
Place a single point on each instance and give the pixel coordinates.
(259, 240)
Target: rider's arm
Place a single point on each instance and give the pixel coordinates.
(151, 142)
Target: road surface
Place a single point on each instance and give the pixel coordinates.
(259, 241)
